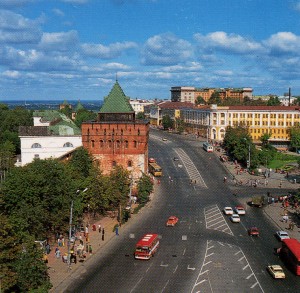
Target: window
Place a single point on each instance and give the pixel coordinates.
(93, 143)
(109, 144)
(118, 144)
(126, 144)
(129, 163)
(114, 164)
(68, 145)
(101, 143)
(36, 146)
(36, 156)
(134, 143)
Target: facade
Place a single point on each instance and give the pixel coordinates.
(190, 94)
(139, 105)
(183, 94)
(211, 121)
(116, 137)
(172, 109)
(52, 136)
(286, 100)
(232, 93)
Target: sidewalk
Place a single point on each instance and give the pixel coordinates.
(279, 181)
(60, 272)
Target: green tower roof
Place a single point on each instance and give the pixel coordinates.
(79, 106)
(116, 101)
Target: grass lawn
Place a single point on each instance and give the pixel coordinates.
(279, 164)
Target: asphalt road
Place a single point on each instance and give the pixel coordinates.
(205, 252)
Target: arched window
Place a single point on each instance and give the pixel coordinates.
(109, 144)
(139, 132)
(114, 164)
(101, 143)
(68, 145)
(36, 146)
(126, 144)
(134, 143)
(129, 163)
(118, 144)
(93, 143)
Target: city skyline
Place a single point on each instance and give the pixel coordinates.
(76, 49)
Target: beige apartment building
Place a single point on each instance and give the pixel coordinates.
(211, 121)
(189, 94)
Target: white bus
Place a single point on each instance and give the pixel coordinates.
(207, 147)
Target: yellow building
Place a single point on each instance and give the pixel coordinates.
(211, 121)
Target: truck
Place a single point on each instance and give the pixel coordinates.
(258, 201)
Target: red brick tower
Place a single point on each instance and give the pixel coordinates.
(116, 137)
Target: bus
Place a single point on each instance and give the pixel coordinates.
(146, 247)
(155, 169)
(290, 254)
(207, 147)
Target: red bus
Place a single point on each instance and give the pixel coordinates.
(290, 254)
(147, 246)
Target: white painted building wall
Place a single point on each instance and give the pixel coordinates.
(51, 147)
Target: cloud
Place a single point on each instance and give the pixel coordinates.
(62, 41)
(14, 28)
(166, 49)
(297, 6)
(33, 60)
(107, 52)
(58, 12)
(227, 42)
(13, 3)
(11, 74)
(283, 43)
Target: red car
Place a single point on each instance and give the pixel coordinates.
(172, 221)
(152, 160)
(253, 231)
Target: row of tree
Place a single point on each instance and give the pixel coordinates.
(35, 205)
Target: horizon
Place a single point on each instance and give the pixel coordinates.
(64, 49)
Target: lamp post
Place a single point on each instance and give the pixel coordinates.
(70, 227)
(249, 154)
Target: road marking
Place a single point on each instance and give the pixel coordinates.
(210, 247)
(207, 263)
(184, 251)
(165, 286)
(190, 268)
(210, 254)
(162, 265)
(245, 267)
(175, 269)
(250, 276)
(254, 285)
(242, 258)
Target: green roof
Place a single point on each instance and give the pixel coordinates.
(116, 101)
(79, 106)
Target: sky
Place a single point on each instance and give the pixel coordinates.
(76, 49)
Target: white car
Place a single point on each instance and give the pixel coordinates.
(276, 271)
(239, 210)
(282, 235)
(235, 218)
(228, 211)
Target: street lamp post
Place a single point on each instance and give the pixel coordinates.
(249, 154)
(70, 227)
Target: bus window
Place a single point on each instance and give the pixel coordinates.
(207, 147)
(147, 246)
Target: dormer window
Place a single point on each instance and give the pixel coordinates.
(36, 146)
(68, 145)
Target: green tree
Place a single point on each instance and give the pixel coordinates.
(84, 115)
(31, 270)
(265, 139)
(140, 116)
(144, 188)
(294, 133)
(215, 98)
(37, 197)
(81, 162)
(200, 101)
(167, 122)
(273, 101)
(180, 125)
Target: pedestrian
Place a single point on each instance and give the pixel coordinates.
(117, 230)
(103, 234)
(48, 248)
(292, 225)
(225, 179)
(99, 228)
(57, 252)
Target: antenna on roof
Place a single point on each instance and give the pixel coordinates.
(289, 96)
(116, 76)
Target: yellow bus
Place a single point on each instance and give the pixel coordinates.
(155, 169)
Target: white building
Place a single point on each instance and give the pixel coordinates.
(52, 136)
(138, 105)
(285, 101)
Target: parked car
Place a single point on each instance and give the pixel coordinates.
(276, 271)
(228, 211)
(239, 210)
(253, 231)
(175, 159)
(164, 139)
(152, 160)
(282, 235)
(235, 218)
(172, 221)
